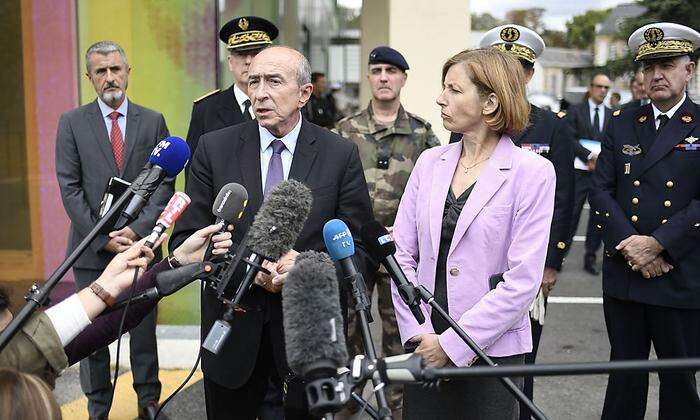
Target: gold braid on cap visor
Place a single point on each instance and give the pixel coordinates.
(518, 50)
(668, 46)
(248, 38)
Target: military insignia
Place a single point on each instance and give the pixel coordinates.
(616, 113)
(642, 118)
(536, 147)
(243, 24)
(561, 114)
(691, 139)
(687, 118)
(653, 36)
(628, 168)
(630, 150)
(510, 34)
(206, 95)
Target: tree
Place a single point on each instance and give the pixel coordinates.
(580, 30)
(484, 21)
(529, 18)
(554, 39)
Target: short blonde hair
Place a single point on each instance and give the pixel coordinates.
(493, 71)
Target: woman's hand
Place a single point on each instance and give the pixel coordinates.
(431, 351)
(118, 274)
(192, 250)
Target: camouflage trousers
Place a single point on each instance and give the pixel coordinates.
(391, 342)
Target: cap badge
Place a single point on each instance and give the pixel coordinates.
(653, 36)
(243, 24)
(510, 34)
(642, 118)
(691, 139)
(687, 118)
(631, 150)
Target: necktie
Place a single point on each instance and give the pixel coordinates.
(596, 125)
(117, 140)
(663, 119)
(275, 175)
(246, 110)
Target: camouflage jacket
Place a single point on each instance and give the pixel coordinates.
(388, 154)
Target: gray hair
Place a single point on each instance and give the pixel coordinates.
(303, 71)
(104, 48)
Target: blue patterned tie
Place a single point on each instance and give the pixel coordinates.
(275, 175)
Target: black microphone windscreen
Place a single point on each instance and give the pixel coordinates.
(280, 220)
(313, 324)
(377, 240)
(230, 202)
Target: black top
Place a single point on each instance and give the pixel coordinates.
(453, 208)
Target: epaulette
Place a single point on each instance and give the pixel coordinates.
(206, 95)
(617, 112)
(561, 114)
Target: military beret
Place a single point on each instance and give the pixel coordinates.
(663, 39)
(248, 33)
(517, 40)
(387, 55)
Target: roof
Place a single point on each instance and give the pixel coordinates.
(566, 58)
(617, 15)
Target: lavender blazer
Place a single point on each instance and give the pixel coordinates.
(503, 228)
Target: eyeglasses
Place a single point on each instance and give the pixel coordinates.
(600, 86)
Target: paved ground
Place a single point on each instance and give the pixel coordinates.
(573, 332)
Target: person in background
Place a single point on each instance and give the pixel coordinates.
(24, 396)
(615, 101)
(390, 139)
(639, 93)
(472, 210)
(589, 122)
(320, 109)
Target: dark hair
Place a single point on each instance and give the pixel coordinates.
(316, 75)
(616, 95)
(527, 66)
(4, 300)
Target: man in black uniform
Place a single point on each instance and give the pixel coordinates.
(244, 37)
(646, 189)
(549, 136)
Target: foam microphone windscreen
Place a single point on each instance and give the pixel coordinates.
(230, 202)
(377, 240)
(313, 324)
(171, 154)
(280, 220)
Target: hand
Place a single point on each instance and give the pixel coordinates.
(639, 250)
(591, 162)
(656, 268)
(118, 274)
(265, 280)
(390, 229)
(549, 279)
(282, 268)
(431, 351)
(192, 250)
(118, 243)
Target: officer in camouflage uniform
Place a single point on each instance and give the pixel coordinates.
(390, 139)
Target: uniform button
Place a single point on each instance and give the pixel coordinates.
(697, 225)
(597, 213)
(635, 200)
(635, 218)
(636, 183)
(454, 271)
(667, 203)
(607, 214)
(664, 221)
(599, 227)
(669, 184)
(561, 245)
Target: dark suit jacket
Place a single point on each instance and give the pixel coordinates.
(662, 174)
(550, 136)
(634, 103)
(214, 112)
(579, 116)
(330, 166)
(85, 162)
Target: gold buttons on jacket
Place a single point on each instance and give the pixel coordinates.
(664, 221)
(667, 203)
(636, 183)
(635, 200)
(635, 218)
(561, 245)
(669, 184)
(454, 271)
(599, 227)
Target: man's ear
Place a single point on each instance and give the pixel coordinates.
(306, 91)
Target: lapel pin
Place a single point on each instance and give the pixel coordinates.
(691, 139)
(642, 118)
(630, 150)
(687, 118)
(628, 168)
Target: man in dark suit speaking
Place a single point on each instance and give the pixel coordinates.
(259, 154)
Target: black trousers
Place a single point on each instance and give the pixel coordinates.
(594, 236)
(528, 384)
(675, 333)
(95, 374)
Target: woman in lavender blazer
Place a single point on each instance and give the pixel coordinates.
(472, 209)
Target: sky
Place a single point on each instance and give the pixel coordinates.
(555, 16)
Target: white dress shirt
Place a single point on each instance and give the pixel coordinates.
(601, 113)
(106, 110)
(241, 97)
(290, 141)
(669, 113)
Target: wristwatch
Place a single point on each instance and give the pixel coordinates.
(103, 294)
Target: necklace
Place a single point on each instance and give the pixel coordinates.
(467, 168)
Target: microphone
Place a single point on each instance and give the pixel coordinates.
(172, 211)
(167, 159)
(228, 208)
(313, 328)
(381, 246)
(274, 230)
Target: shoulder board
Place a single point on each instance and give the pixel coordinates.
(206, 95)
(617, 112)
(419, 119)
(561, 114)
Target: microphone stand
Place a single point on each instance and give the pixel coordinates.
(362, 311)
(39, 295)
(428, 298)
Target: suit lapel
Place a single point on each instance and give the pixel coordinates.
(249, 163)
(585, 114)
(443, 171)
(607, 114)
(304, 153)
(489, 182)
(133, 117)
(229, 112)
(101, 137)
(645, 130)
(672, 134)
